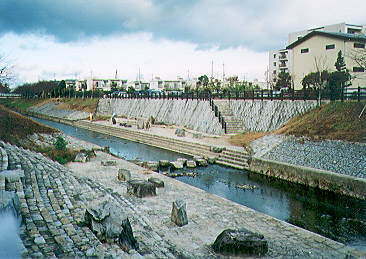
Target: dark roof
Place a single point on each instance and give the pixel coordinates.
(338, 35)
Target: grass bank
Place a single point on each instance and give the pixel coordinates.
(15, 128)
(333, 121)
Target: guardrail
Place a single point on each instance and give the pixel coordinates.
(215, 109)
(9, 95)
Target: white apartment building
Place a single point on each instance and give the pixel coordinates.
(93, 84)
(167, 85)
(281, 60)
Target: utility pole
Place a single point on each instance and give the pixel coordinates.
(223, 72)
(211, 70)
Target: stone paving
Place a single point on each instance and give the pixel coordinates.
(335, 156)
(53, 200)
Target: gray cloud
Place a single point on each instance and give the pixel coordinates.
(259, 25)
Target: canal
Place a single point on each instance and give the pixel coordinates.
(335, 216)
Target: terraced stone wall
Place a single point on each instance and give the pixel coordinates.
(193, 114)
(260, 115)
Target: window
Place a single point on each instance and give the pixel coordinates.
(331, 46)
(274, 72)
(274, 55)
(305, 50)
(274, 64)
(359, 45)
(358, 69)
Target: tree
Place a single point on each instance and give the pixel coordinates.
(283, 80)
(203, 80)
(315, 80)
(340, 64)
(359, 57)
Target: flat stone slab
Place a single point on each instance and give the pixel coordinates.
(191, 164)
(240, 242)
(141, 188)
(177, 165)
(109, 163)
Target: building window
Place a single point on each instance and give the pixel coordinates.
(331, 46)
(274, 55)
(274, 72)
(358, 69)
(274, 64)
(359, 45)
(305, 50)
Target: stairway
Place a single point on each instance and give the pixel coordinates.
(233, 125)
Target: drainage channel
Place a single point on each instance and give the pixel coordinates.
(335, 216)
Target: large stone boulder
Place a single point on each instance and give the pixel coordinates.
(123, 175)
(110, 224)
(156, 181)
(240, 242)
(179, 213)
(217, 149)
(180, 132)
(141, 188)
(182, 160)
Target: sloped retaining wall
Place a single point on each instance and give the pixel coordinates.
(325, 180)
(193, 114)
(265, 115)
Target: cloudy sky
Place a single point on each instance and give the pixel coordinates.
(47, 39)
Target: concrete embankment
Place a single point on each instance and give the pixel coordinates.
(258, 115)
(51, 109)
(193, 114)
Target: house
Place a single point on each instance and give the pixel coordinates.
(281, 60)
(94, 84)
(167, 85)
(70, 83)
(318, 51)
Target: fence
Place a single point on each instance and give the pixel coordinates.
(357, 94)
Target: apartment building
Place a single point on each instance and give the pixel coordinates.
(318, 51)
(175, 85)
(94, 84)
(282, 60)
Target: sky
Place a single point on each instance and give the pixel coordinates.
(47, 39)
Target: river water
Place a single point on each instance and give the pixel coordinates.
(335, 216)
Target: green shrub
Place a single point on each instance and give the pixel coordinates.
(60, 143)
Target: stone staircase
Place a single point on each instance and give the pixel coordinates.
(229, 157)
(233, 125)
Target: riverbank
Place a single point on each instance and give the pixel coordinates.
(53, 201)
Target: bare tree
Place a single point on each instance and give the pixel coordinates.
(5, 70)
(358, 56)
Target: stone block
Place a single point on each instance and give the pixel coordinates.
(152, 165)
(164, 163)
(81, 157)
(141, 188)
(156, 181)
(182, 160)
(177, 165)
(191, 164)
(211, 160)
(180, 132)
(202, 162)
(179, 213)
(240, 242)
(123, 175)
(109, 163)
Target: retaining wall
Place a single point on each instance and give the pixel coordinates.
(193, 114)
(265, 115)
(325, 180)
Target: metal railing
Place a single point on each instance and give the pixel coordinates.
(215, 109)
(356, 94)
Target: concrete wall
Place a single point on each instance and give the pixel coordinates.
(325, 180)
(260, 115)
(192, 114)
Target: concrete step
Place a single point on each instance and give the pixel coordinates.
(225, 163)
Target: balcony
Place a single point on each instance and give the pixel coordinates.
(283, 65)
(282, 57)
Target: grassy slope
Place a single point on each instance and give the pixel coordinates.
(86, 105)
(335, 121)
(14, 126)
